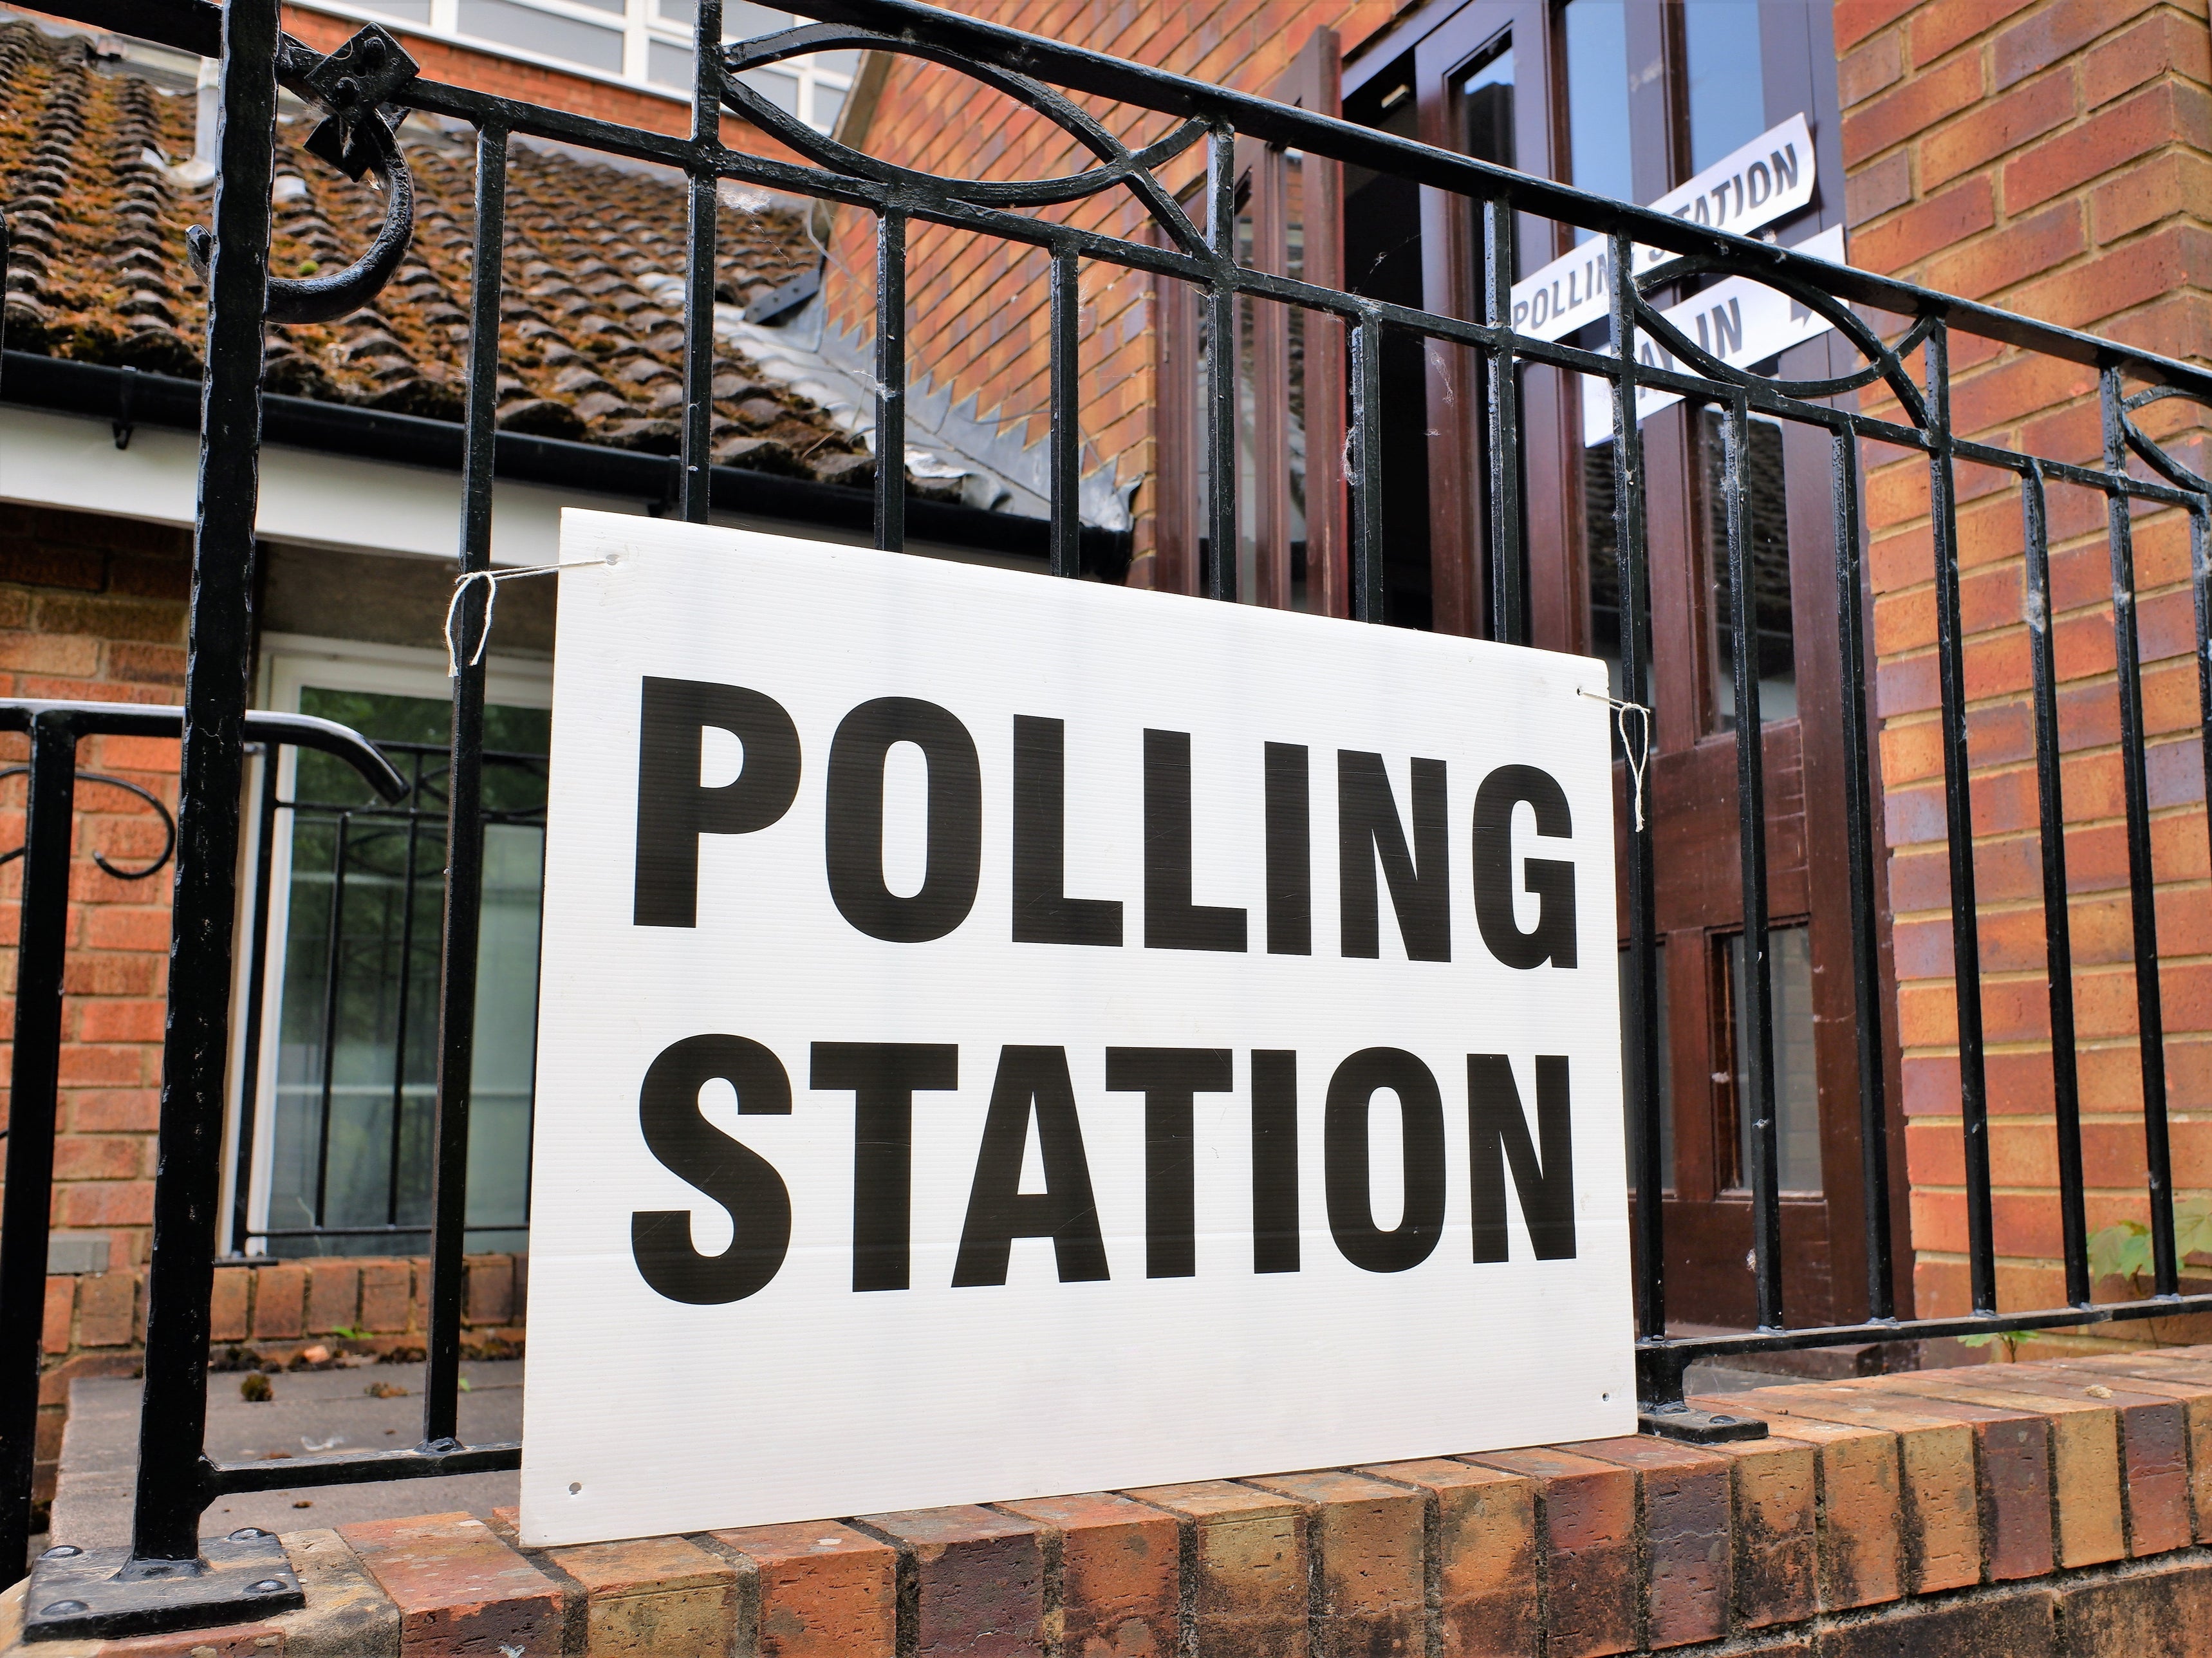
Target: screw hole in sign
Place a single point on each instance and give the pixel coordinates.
(575, 1488)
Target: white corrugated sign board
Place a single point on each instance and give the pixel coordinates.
(1002, 1036)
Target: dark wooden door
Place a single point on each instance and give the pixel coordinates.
(1631, 100)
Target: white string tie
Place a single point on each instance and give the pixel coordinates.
(1637, 749)
(491, 579)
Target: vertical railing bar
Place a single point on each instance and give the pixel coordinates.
(34, 1082)
(1755, 1012)
(1066, 546)
(2058, 928)
(2200, 572)
(1958, 826)
(203, 908)
(1500, 266)
(1221, 348)
(1640, 1010)
(257, 993)
(400, 1022)
(1859, 849)
(464, 898)
(2142, 873)
(891, 380)
(699, 250)
(1366, 574)
(333, 964)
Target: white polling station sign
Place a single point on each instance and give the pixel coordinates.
(1767, 179)
(1739, 320)
(1002, 1036)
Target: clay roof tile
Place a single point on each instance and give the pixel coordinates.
(591, 345)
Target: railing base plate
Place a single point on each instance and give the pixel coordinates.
(79, 1595)
(1698, 1427)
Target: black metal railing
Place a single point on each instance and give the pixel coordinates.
(177, 1480)
(55, 729)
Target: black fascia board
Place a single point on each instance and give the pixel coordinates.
(127, 395)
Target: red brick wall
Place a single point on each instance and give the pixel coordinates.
(2048, 156)
(977, 305)
(94, 608)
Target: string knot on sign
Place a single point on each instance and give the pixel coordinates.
(491, 579)
(1637, 749)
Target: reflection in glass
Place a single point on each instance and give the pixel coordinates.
(1271, 391)
(1796, 1090)
(1726, 83)
(1598, 154)
(1601, 549)
(357, 1019)
(1765, 479)
(1487, 97)
(1383, 261)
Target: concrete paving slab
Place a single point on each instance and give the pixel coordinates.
(1724, 1379)
(311, 1412)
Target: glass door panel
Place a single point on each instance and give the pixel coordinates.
(357, 1020)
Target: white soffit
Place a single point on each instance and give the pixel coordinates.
(307, 497)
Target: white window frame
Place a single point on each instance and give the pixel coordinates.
(291, 663)
(638, 24)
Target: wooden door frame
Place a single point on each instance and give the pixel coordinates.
(1263, 191)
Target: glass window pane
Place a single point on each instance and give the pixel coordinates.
(1629, 1095)
(1487, 99)
(568, 38)
(668, 65)
(1728, 86)
(503, 1075)
(1796, 1092)
(744, 21)
(407, 11)
(1770, 567)
(828, 101)
(838, 62)
(1596, 33)
(779, 88)
(683, 12)
(356, 1046)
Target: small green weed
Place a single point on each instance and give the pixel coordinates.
(2013, 1341)
(2123, 1249)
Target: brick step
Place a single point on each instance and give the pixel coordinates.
(2059, 1510)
